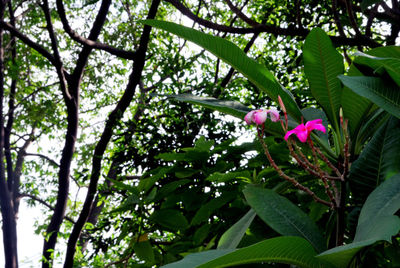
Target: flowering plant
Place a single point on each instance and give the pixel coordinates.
(362, 129)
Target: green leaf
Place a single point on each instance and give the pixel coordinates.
(384, 94)
(196, 259)
(234, 56)
(380, 206)
(224, 177)
(147, 183)
(381, 64)
(379, 160)
(232, 237)
(376, 222)
(284, 249)
(204, 213)
(322, 65)
(355, 107)
(341, 256)
(224, 106)
(170, 218)
(144, 251)
(283, 216)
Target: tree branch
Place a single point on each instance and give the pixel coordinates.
(41, 50)
(241, 15)
(264, 28)
(54, 45)
(101, 146)
(35, 198)
(89, 42)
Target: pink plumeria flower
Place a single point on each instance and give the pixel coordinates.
(303, 131)
(260, 116)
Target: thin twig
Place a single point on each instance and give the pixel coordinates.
(286, 177)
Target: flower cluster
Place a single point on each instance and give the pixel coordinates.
(260, 116)
(302, 131)
(310, 164)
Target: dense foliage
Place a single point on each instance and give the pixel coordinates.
(119, 131)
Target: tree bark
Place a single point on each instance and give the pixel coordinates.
(101, 146)
(7, 210)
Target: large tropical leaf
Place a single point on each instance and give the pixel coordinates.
(284, 249)
(376, 222)
(196, 259)
(385, 94)
(355, 107)
(234, 56)
(225, 106)
(379, 208)
(232, 237)
(390, 65)
(379, 160)
(322, 65)
(283, 216)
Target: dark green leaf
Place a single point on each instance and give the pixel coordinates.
(376, 222)
(224, 106)
(204, 213)
(144, 251)
(384, 94)
(283, 216)
(284, 249)
(224, 177)
(379, 160)
(196, 259)
(322, 65)
(171, 219)
(231, 238)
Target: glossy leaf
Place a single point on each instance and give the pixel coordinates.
(380, 206)
(385, 95)
(170, 218)
(283, 216)
(283, 249)
(232, 237)
(379, 160)
(235, 57)
(382, 64)
(204, 213)
(376, 222)
(144, 251)
(322, 65)
(196, 259)
(224, 106)
(355, 107)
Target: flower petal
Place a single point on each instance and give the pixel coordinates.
(249, 117)
(260, 116)
(302, 135)
(274, 114)
(315, 124)
(287, 135)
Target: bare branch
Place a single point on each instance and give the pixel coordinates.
(33, 197)
(241, 15)
(264, 28)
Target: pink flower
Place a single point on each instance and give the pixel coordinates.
(303, 131)
(260, 116)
